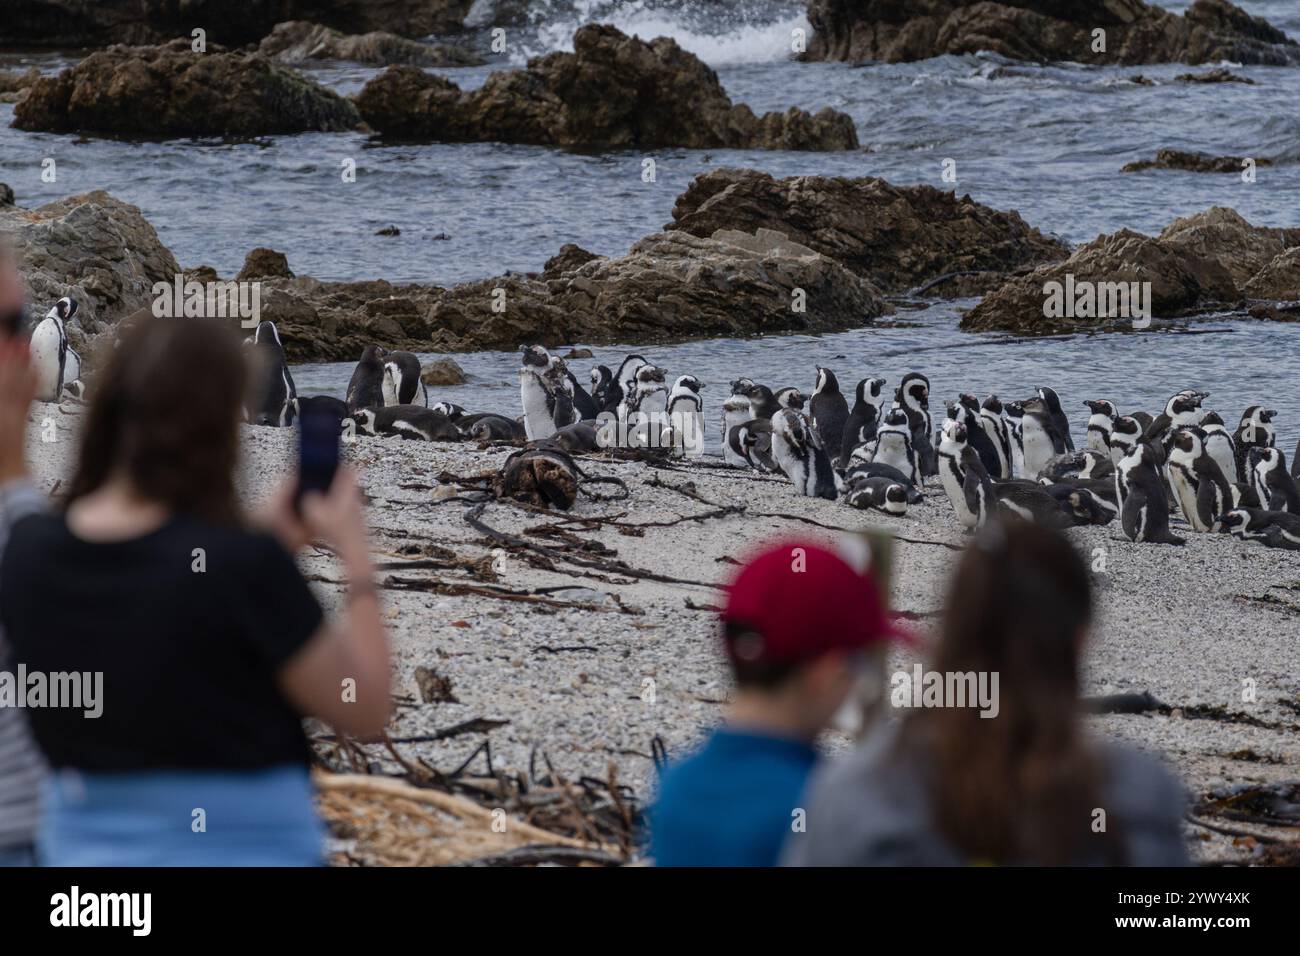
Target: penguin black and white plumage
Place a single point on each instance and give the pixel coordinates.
(405, 421)
(580, 438)
(880, 494)
(1244, 496)
(584, 405)
(1201, 490)
(893, 445)
(643, 412)
(1125, 433)
(762, 400)
(860, 469)
(271, 389)
(1077, 464)
(366, 387)
(601, 377)
(1093, 504)
(686, 412)
(1040, 438)
(1182, 410)
(966, 411)
(1255, 431)
(829, 411)
(736, 410)
(1057, 414)
(1272, 482)
(860, 427)
(1014, 415)
(546, 392)
(486, 426)
(970, 502)
(799, 454)
(1100, 422)
(1144, 512)
(1275, 529)
(49, 350)
(751, 443)
(791, 397)
(995, 426)
(402, 384)
(622, 383)
(1218, 445)
(913, 396)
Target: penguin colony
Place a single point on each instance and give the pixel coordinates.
(991, 459)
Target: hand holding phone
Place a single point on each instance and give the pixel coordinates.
(318, 451)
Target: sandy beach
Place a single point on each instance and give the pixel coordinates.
(590, 665)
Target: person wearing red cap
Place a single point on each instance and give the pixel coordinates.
(797, 630)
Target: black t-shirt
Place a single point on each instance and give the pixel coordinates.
(188, 656)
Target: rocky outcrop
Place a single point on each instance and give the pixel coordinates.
(1280, 279)
(443, 372)
(95, 248)
(613, 92)
(1214, 258)
(1044, 30)
(263, 263)
(172, 91)
(14, 84)
(1217, 75)
(298, 41)
(898, 237)
(1192, 162)
(65, 24)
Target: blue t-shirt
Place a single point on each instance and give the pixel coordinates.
(732, 803)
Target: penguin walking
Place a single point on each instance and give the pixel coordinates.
(366, 387)
(830, 411)
(860, 427)
(913, 396)
(1273, 485)
(271, 393)
(1100, 422)
(1057, 414)
(1255, 431)
(1144, 512)
(798, 451)
(402, 384)
(49, 350)
(686, 413)
(1201, 490)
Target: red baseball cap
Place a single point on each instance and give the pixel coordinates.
(801, 600)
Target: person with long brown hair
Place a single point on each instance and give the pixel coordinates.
(1015, 780)
(188, 618)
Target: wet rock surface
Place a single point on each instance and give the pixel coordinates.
(298, 41)
(1193, 162)
(613, 91)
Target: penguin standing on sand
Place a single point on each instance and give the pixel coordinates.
(402, 385)
(1057, 415)
(49, 350)
(1274, 486)
(1100, 422)
(1040, 438)
(686, 412)
(1218, 445)
(545, 392)
(966, 412)
(798, 452)
(913, 396)
(762, 400)
(1014, 414)
(860, 427)
(1125, 433)
(994, 424)
(1144, 513)
(272, 396)
(829, 412)
(968, 502)
(1201, 490)
(366, 387)
(1255, 431)
(893, 446)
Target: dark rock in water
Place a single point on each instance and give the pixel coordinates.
(1217, 75)
(1192, 162)
(444, 371)
(1197, 262)
(1043, 31)
(263, 263)
(79, 23)
(172, 91)
(567, 259)
(14, 85)
(613, 91)
(578, 354)
(388, 231)
(6, 195)
(297, 41)
(897, 237)
(93, 247)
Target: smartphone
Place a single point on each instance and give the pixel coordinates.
(318, 450)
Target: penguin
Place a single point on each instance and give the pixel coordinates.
(1057, 415)
(1144, 513)
(75, 391)
(1201, 490)
(271, 389)
(580, 438)
(913, 396)
(1125, 433)
(406, 421)
(893, 445)
(366, 387)
(966, 412)
(1272, 482)
(764, 403)
(1014, 414)
(861, 469)
(798, 452)
(1275, 529)
(1076, 464)
(741, 386)
(488, 426)
(453, 411)
(72, 374)
(1218, 444)
(1086, 505)
(686, 412)
(402, 384)
(995, 426)
(601, 377)
(878, 493)
(829, 411)
(791, 397)
(1255, 431)
(969, 502)
(49, 350)
(623, 382)
(736, 410)
(751, 442)
(1244, 496)
(584, 405)
(643, 413)
(1039, 437)
(1181, 411)
(1100, 423)
(860, 427)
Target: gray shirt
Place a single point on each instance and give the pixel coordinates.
(872, 809)
(21, 766)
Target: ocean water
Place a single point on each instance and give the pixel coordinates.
(1046, 141)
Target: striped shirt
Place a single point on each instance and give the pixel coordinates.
(21, 766)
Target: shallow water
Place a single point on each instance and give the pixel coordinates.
(1047, 141)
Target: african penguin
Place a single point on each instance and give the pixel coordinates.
(1144, 512)
(271, 388)
(1201, 490)
(967, 502)
(882, 494)
(995, 426)
(49, 350)
(798, 452)
(860, 427)
(791, 397)
(913, 396)
(829, 411)
(1272, 482)
(366, 387)
(1100, 422)
(1275, 529)
(1255, 431)
(966, 411)
(402, 384)
(1014, 415)
(762, 400)
(686, 412)
(601, 377)
(893, 445)
(1125, 433)
(1218, 445)
(1057, 415)
(406, 421)
(736, 410)
(1040, 438)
